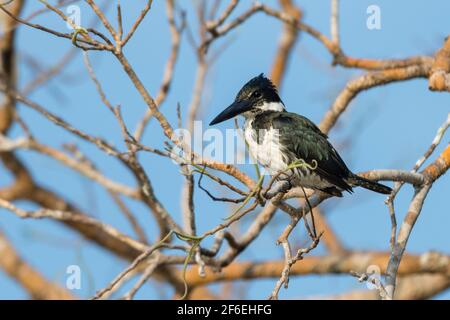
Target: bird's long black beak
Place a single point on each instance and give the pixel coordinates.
(233, 110)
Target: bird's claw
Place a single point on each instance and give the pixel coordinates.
(279, 187)
(261, 197)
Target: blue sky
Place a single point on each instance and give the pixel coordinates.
(386, 127)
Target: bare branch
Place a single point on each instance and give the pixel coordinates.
(30, 279)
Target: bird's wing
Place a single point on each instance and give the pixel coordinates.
(304, 139)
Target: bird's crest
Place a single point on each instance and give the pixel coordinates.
(261, 83)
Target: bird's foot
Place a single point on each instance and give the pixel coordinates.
(260, 198)
(282, 186)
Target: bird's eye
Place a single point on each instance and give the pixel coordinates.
(256, 94)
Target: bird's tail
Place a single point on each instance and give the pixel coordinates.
(355, 180)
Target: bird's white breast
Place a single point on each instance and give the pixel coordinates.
(266, 150)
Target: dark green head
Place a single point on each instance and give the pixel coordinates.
(259, 94)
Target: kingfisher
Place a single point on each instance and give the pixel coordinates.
(290, 147)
